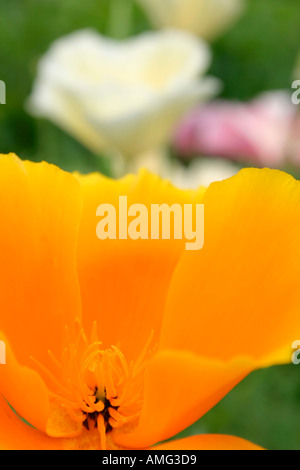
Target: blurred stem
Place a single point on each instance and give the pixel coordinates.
(120, 18)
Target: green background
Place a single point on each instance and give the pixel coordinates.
(257, 55)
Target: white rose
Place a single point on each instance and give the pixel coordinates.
(201, 171)
(124, 96)
(206, 18)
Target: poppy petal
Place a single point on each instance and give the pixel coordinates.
(23, 388)
(17, 435)
(116, 276)
(239, 295)
(236, 298)
(180, 388)
(39, 293)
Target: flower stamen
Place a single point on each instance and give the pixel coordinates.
(97, 386)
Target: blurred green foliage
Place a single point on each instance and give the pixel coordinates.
(258, 54)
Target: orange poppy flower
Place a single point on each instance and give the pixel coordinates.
(124, 343)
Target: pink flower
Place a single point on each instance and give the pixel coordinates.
(258, 131)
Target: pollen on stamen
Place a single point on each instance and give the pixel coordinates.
(97, 387)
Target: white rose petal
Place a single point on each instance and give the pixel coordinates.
(201, 171)
(121, 95)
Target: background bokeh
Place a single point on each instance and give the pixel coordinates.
(257, 54)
